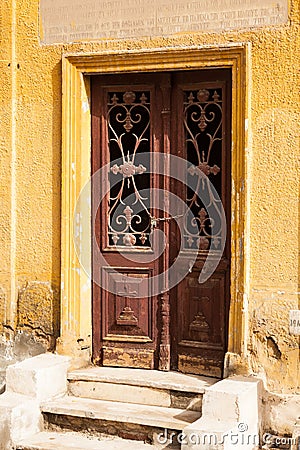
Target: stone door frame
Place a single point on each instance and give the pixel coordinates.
(76, 313)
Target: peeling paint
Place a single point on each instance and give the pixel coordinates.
(85, 106)
(114, 356)
(35, 307)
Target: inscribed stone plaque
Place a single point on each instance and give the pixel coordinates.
(63, 21)
(295, 322)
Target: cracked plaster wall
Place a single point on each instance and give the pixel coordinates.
(30, 110)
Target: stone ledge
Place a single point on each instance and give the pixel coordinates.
(160, 417)
(42, 377)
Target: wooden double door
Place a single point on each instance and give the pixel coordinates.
(153, 136)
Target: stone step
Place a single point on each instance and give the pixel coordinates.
(128, 421)
(147, 387)
(75, 441)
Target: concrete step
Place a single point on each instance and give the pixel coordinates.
(75, 441)
(128, 421)
(147, 387)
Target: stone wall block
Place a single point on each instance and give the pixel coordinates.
(35, 307)
(42, 377)
(236, 398)
(231, 416)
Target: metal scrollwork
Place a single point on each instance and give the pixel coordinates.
(129, 220)
(203, 123)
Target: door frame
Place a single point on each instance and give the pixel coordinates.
(76, 293)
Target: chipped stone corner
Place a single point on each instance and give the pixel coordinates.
(235, 364)
(281, 413)
(79, 349)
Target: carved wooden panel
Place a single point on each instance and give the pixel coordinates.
(202, 321)
(127, 313)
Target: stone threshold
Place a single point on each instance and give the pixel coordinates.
(157, 379)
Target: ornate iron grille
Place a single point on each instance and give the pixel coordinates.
(128, 118)
(203, 126)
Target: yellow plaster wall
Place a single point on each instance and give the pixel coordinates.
(30, 110)
(6, 160)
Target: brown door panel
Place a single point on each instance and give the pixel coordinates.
(125, 119)
(186, 114)
(201, 135)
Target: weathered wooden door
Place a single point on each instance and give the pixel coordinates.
(201, 135)
(137, 320)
